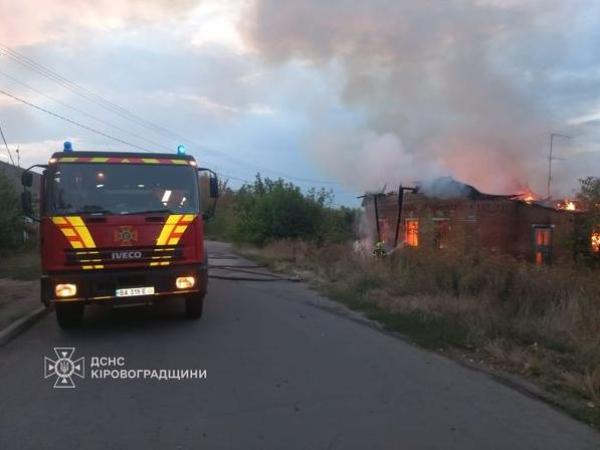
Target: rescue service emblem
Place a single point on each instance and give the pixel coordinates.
(126, 235)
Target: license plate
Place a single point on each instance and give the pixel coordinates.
(134, 292)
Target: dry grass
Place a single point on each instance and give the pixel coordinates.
(20, 265)
(17, 298)
(542, 322)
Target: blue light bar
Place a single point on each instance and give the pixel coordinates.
(181, 149)
(67, 147)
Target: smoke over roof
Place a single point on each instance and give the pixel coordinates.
(470, 89)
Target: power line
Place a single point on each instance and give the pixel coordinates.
(84, 113)
(101, 101)
(336, 193)
(6, 145)
(81, 91)
(86, 127)
(115, 108)
(66, 119)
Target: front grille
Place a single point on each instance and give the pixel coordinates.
(120, 255)
(106, 286)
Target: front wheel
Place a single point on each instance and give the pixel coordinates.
(193, 305)
(69, 315)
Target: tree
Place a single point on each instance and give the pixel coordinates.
(11, 219)
(589, 198)
(275, 209)
(589, 193)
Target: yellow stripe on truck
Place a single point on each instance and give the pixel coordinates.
(69, 232)
(82, 230)
(170, 234)
(78, 235)
(167, 229)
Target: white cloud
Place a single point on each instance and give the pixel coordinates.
(28, 22)
(215, 22)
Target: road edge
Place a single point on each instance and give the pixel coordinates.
(561, 403)
(21, 324)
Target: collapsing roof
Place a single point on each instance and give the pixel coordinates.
(445, 213)
(448, 187)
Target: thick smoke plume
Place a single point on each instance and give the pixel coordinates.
(470, 89)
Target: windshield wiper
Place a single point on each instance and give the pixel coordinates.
(91, 209)
(148, 211)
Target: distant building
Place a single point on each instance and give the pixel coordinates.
(449, 214)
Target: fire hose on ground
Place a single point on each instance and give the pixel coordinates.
(246, 270)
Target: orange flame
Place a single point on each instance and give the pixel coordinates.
(527, 196)
(567, 205)
(595, 241)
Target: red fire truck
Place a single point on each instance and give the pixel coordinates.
(120, 228)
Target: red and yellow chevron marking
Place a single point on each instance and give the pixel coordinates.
(170, 234)
(121, 160)
(76, 232)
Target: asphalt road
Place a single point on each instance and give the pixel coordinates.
(284, 371)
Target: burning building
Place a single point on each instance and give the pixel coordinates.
(445, 213)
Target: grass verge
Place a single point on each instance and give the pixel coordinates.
(21, 265)
(542, 324)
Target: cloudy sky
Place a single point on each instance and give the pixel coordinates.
(348, 95)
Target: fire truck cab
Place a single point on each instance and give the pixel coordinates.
(120, 228)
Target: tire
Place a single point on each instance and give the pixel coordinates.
(69, 315)
(193, 306)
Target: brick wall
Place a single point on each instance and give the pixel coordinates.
(494, 224)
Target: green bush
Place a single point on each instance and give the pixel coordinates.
(270, 210)
(11, 219)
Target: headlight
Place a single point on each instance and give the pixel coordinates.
(185, 282)
(65, 290)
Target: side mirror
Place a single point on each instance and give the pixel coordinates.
(26, 203)
(213, 187)
(213, 191)
(27, 179)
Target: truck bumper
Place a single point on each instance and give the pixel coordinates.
(100, 286)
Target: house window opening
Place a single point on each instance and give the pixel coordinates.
(542, 244)
(441, 233)
(411, 233)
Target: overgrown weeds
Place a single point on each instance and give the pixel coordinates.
(542, 322)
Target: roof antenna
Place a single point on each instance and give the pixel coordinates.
(551, 158)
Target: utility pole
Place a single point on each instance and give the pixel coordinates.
(18, 157)
(6, 146)
(551, 158)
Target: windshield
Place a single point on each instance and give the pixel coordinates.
(121, 189)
